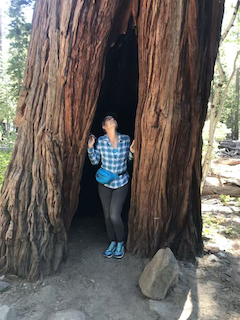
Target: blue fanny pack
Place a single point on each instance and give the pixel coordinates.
(104, 176)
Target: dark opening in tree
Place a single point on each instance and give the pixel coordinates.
(119, 93)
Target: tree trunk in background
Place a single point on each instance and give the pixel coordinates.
(62, 81)
(236, 135)
(178, 43)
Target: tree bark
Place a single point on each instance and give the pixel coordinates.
(237, 106)
(63, 74)
(178, 44)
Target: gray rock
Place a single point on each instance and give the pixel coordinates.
(222, 254)
(70, 314)
(4, 286)
(212, 258)
(159, 275)
(8, 313)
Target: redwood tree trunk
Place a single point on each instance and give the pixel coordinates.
(62, 81)
(178, 42)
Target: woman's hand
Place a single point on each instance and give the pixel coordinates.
(91, 141)
(132, 149)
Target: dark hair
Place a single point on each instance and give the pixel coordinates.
(110, 114)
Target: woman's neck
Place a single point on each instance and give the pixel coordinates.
(112, 134)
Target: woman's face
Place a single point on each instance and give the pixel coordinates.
(109, 123)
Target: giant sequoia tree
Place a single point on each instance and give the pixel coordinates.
(177, 46)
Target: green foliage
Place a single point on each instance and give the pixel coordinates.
(7, 107)
(6, 147)
(221, 223)
(18, 34)
(225, 199)
(232, 232)
(220, 134)
(210, 224)
(4, 161)
(227, 52)
(11, 74)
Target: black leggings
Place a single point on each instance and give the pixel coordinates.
(112, 203)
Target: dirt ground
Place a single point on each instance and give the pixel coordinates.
(108, 288)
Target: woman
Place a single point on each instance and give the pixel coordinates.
(113, 149)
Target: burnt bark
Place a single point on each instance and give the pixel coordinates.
(178, 43)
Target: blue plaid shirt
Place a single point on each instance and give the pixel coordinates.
(116, 163)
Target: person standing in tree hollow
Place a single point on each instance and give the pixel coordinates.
(113, 149)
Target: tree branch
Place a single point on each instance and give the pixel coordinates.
(225, 92)
(220, 69)
(207, 158)
(225, 33)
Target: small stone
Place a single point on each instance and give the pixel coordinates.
(212, 247)
(159, 275)
(2, 277)
(70, 314)
(8, 313)
(212, 258)
(222, 254)
(225, 289)
(4, 286)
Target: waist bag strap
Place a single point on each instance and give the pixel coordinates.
(122, 173)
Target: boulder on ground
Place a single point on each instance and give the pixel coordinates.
(159, 275)
(4, 286)
(8, 313)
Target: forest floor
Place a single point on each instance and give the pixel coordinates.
(107, 289)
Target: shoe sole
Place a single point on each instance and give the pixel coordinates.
(119, 257)
(109, 257)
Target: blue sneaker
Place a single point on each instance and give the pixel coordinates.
(110, 250)
(120, 250)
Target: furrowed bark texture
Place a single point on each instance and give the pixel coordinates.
(178, 43)
(62, 80)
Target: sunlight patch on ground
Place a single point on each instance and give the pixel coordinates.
(188, 307)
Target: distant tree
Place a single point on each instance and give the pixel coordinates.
(19, 35)
(236, 118)
(230, 113)
(220, 92)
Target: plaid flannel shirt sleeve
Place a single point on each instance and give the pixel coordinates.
(130, 156)
(94, 154)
